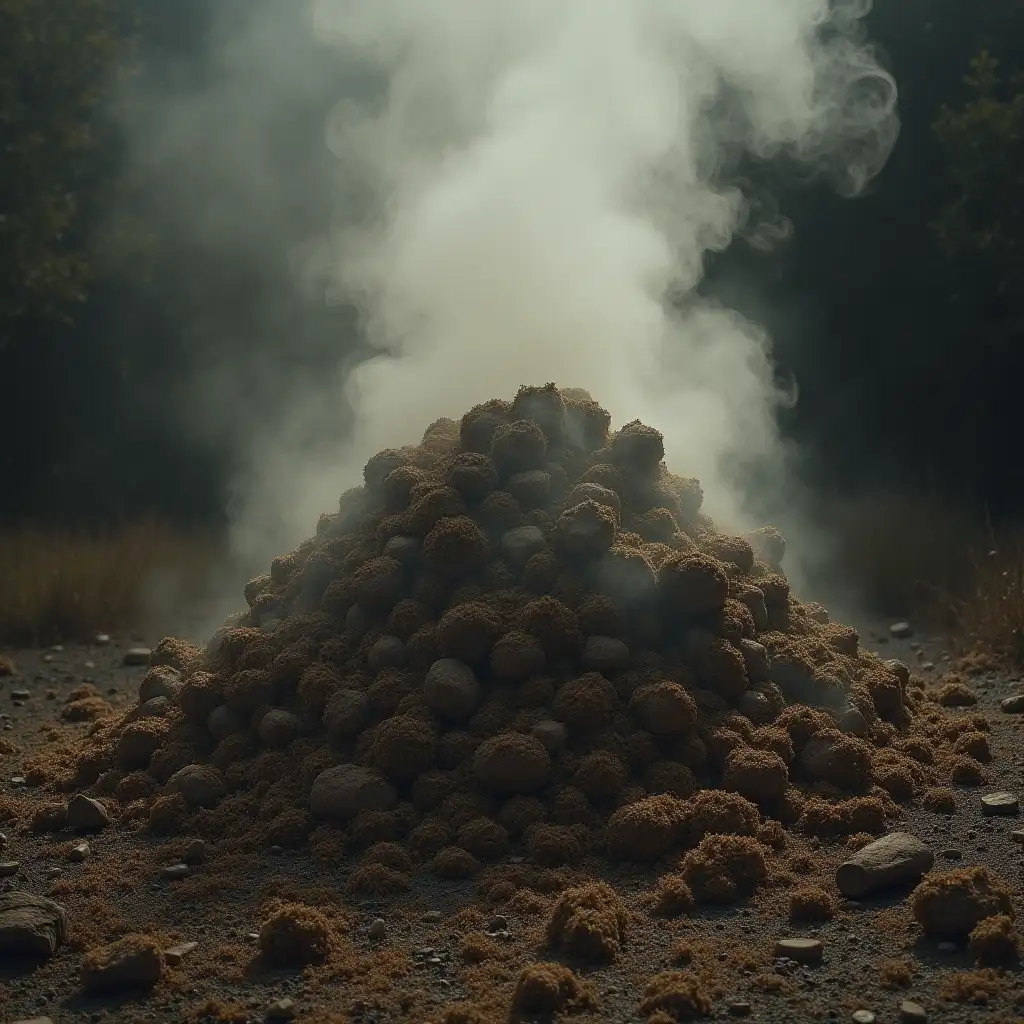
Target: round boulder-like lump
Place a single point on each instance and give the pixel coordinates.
(278, 728)
(517, 656)
(201, 785)
(665, 709)
(387, 652)
(511, 763)
(223, 722)
(551, 733)
(521, 544)
(159, 681)
(340, 793)
(587, 529)
(451, 689)
(346, 714)
(605, 654)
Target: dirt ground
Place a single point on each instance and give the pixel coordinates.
(443, 942)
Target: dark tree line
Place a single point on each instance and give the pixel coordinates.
(899, 313)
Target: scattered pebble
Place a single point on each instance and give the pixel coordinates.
(101, 639)
(901, 630)
(912, 1013)
(378, 929)
(175, 872)
(54, 872)
(1013, 705)
(1000, 803)
(952, 854)
(79, 852)
(282, 1009)
(8, 869)
(895, 859)
(136, 656)
(862, 1017)
(432, 916)
(17, 781)
(496, 926)
(1017, 835)
(174, 955)
(803, 951)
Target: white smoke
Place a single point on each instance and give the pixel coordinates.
(540, 177)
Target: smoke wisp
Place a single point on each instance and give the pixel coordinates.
(541, 177)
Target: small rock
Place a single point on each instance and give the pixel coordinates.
(1017, 835)
(1013, 705)
(86, 814)
(278, 728)
(912, 1013)
(862, 1017)
(520, 544)
(136, 656)
(79, 852)
(387, 652)
(195, 852)
(155, 708)
(802, 951)
(496, 925)
(378, 929)
(31, 925)
(739, 1009)
(201, 785)
(282, 1009)
(432, 917)
(552, 735)
(20, 694)
(1000, 804)
(8, 869)
(175, 872)
(901, 630)
(174, 955)
(951, 854)
(126, 965)
(17, 781)
(451, 688)
(101, 639)
(54, 872)
(159, 681)
(947, 947)
(222, 722)
(895, 859)
(3, 840)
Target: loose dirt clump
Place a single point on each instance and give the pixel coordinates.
(547, 988)
(588, 922)
(293, 935)
(952, 904)
(994, 942)
(675, 996)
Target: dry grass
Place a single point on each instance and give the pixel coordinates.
(67, 586)
(988, 614)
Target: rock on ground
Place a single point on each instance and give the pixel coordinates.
(31, 925)
(892, 860)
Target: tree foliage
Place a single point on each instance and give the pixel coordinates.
(57, 58)
(983, 142)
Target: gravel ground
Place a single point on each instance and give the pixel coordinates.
(423, 962)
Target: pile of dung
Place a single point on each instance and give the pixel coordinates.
(522, 635)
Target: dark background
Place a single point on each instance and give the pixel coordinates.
(907, 352)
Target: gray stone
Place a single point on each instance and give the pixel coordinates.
(912, 1013)
(862, 1017)
(378, 929)
(86, 814)
(78, 852)
(222, 722)
(31, 925)
(340, 793)
(278, 728)
(155, 708)
(136, 656)
(551, 733)
(605, 654)
(387, 652)
(347, 713)
(1005, 804)
(101, 639)
(9, 868)
(122, 967)
(756, 706)
(756, 659)
(174, 956)
(520, 544)
(1013, 705)
(851, 721)
(403, 549)
(175, 872)
(451, 689)
(802, 951)
(895, 859)
(159, 681)
(201, 785)
(901, 630)
(1017, 835)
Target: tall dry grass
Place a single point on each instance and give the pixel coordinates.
(63, 586)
